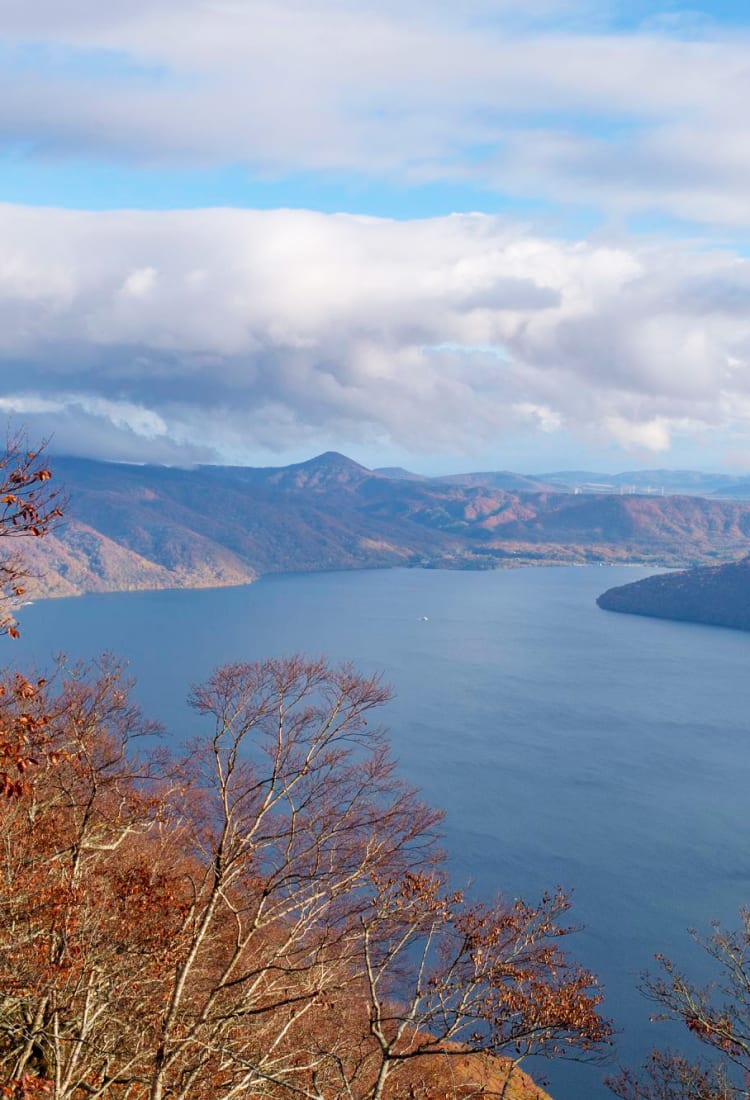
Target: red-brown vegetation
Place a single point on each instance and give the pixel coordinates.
(718, 1015)
(28, 507)
(266, 917)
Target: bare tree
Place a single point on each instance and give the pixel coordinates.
(302, 810)
(718, 1015)
(669, 1075)
(28, 507)
(444, 976)
(266, 917)
(85, 905)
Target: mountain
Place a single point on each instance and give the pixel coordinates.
(398, 473)
(718, 595)
(654, 482)
(490, 479)
(738, 490)
(644, 482)
(138, 526)
(328, 471)
(500, 479)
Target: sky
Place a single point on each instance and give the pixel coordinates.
(485, 235)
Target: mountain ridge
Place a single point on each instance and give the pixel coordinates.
(135, 526)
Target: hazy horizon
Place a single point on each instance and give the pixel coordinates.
(427, 471)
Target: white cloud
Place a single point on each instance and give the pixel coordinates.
(137, 419)
(550, 103)
(139, 282)
(651, 435)
(541, 416)
(255, 330)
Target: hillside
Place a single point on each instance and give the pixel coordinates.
(468, 1077)
(656, 482)
(132, 526)
(717, 595)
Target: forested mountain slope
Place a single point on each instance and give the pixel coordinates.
(131, 526)
(717, 595)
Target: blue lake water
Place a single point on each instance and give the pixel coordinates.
(606, 753)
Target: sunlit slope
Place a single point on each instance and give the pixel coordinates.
(129, 526)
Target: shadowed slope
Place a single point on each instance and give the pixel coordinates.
(132, 526)
(718, 595)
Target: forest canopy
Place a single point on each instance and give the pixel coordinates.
(266, 915)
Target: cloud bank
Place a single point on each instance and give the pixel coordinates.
(217, 334)
(557, 103)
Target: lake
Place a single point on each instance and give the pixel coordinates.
(606, 753)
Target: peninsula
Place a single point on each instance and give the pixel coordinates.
(716, 595)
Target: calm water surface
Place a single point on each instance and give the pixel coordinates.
(606, 753)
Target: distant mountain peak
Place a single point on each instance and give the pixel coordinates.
(323, 471)
(219, 525)
(333, 460)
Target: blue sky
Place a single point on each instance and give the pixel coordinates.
(238, 230)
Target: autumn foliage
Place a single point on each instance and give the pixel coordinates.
(28, 508)
(717, 1015)
(266, 916)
